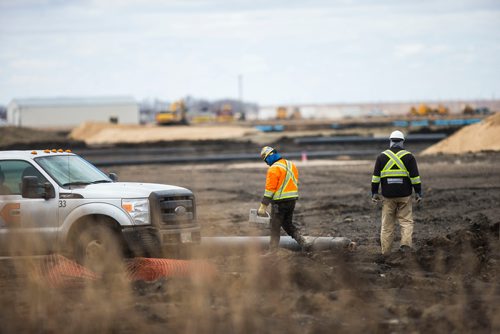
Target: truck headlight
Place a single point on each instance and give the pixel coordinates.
(138, 209)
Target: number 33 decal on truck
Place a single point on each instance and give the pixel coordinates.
(10, 215)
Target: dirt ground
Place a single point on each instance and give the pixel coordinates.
(14, 138)
(105, 133)
(449, 283)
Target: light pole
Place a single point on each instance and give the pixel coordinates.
(240, 96)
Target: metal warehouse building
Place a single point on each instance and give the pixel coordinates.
(70, 112)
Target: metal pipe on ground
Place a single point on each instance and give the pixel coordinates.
(233, 243)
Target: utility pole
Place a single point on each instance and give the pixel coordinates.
(240, 88)
(240, 96)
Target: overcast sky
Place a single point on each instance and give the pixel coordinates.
(286, 51)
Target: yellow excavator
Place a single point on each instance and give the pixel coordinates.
(282, 113)
(442, 110)
(175, 114)
(225, 114)
(425, 110)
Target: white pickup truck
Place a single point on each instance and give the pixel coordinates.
(56, 201)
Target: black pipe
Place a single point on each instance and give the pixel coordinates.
(227, 157)
(422, 137)
(132, 151)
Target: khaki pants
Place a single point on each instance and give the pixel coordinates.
(396, 208)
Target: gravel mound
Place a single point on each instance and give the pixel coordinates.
(483, 136)
(105, 133)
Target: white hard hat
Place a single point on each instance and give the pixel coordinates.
(266, 150)
(397, 135)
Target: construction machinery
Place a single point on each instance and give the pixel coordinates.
(425, 110)
(175, 114)
(296, 114)
(442, 110)
(468, 110)
(282, 113)
(225, 113)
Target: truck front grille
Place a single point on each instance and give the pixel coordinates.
(170, 211)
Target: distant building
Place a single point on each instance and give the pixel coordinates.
(70, 112)
(3, 112)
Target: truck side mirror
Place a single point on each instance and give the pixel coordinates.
(48, 190)
(30, 188)
(113, 177)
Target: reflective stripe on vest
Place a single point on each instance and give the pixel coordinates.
(395, 159)
(289, 177)
(375, 179)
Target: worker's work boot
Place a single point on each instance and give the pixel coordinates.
(304, 243)
(271, 252)
(405, 249)
(380, 258)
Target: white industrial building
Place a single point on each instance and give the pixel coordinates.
(70, 112)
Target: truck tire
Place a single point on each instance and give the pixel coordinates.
(151, 246)
(98, 248)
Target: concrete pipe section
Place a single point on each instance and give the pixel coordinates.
(262, 242)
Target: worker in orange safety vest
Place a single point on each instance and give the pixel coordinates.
(282, 191)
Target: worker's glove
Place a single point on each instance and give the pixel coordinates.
(375, 198)
(262, 210)
(418, 198)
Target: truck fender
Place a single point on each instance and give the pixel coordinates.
(102, 209)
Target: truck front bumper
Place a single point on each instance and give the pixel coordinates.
(149, 241)
(172, 237)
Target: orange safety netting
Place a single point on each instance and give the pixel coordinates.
(58, 271)
(151, 269)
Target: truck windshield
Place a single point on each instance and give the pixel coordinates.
(71, 170)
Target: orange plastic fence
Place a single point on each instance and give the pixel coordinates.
(149, 269)
(58, 271)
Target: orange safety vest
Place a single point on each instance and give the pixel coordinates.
(282, 181)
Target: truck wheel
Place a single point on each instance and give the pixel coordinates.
(99, 249)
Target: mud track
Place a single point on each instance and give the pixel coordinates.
(448, 283)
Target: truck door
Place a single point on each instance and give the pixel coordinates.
(27, 225)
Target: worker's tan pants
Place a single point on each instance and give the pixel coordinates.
(397, 208)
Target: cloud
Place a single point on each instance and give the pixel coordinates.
(286, 49)
(409, 50)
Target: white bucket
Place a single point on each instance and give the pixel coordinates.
(256, 219)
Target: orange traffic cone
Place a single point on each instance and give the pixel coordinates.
(304, 156)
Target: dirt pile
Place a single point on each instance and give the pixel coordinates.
(450, 275)
(18, 138)
(89, 129)
(484, 136)
(105, 133)
(466, 252)
(473, 251)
